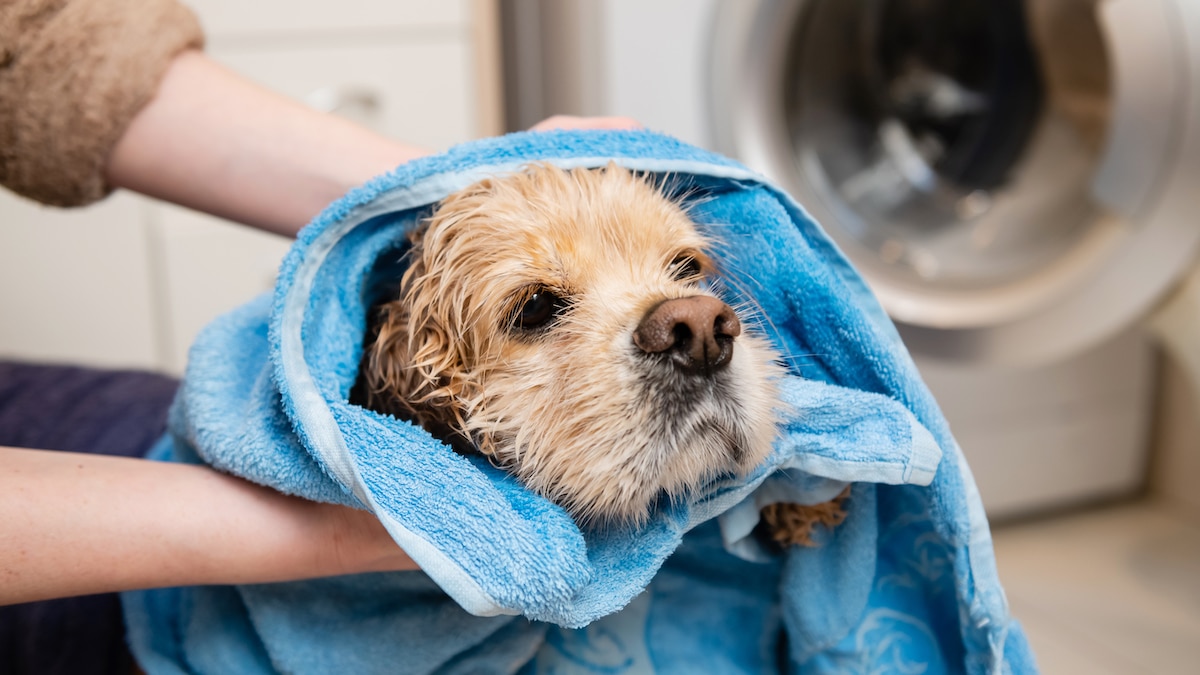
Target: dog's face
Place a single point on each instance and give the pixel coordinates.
(561, 322)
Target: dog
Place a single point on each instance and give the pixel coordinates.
(565, 324)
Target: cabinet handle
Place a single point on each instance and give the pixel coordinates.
(356, 103)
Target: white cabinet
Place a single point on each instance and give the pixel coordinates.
(76, 286)
(129, 282)
(205, 266)
(297, 19)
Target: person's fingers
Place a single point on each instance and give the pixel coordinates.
(573, 122)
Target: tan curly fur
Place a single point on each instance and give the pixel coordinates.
(793, 524)
(575, 411)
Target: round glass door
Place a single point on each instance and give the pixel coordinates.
(954, 147)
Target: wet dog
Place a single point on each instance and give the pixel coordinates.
(564, 323)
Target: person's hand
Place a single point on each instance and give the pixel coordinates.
(573, 122)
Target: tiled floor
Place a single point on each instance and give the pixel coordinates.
(1108, 592)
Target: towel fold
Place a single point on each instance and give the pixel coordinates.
(509, 582)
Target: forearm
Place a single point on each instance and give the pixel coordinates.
(76, 524)
(215, 142)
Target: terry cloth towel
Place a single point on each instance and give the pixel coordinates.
(509, 583)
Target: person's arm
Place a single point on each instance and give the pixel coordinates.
(216, 142)
(213, 141)
(77, 524)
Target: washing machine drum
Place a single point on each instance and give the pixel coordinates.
(1016, 180)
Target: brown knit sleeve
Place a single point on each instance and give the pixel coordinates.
(73, 73)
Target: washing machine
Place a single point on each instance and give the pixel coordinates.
(1017, 180)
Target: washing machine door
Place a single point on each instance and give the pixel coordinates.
(1017, 181)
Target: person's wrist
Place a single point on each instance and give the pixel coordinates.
(358, 543)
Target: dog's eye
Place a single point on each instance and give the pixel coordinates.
(686, 268)
(538, 310)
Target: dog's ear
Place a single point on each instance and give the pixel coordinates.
(409, 368)
(392, 382)
(383, 385)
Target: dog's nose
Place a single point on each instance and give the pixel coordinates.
(696, 333)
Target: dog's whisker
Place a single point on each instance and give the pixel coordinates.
(754, 311)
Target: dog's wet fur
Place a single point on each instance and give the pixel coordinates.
(562, 323)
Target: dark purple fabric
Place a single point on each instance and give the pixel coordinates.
(79, 410)
(106, 412)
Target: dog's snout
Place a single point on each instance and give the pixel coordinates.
(696, 333)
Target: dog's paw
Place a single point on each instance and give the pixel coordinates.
(793, 524)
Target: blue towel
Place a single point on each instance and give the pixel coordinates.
(509, 582)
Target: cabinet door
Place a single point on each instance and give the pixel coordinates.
(208, 266)
(233, 20)
(75, 285)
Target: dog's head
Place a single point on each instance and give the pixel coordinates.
(562, 323)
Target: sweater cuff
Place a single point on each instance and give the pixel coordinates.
(71, 86)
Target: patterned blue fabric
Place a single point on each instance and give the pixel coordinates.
(509, 583)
